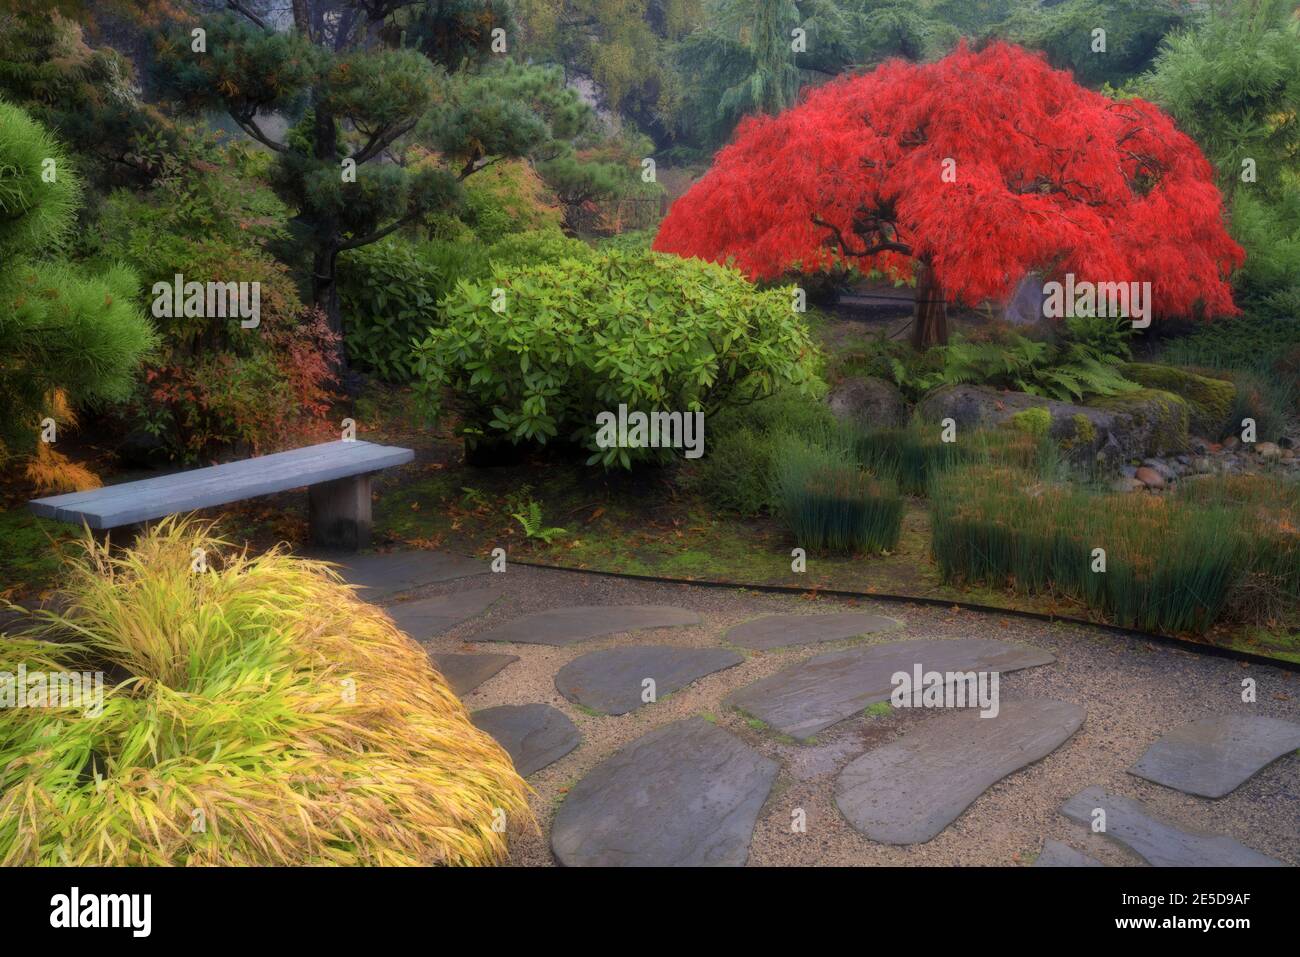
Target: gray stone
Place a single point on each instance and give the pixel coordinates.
(426, 617)
(1056, 854)
(534, 735)
(1025, 305)
(1150, 478)
(779, 631)
(567, 626)
(909, 790)
(1120, 428)
(686, 794)
(464, 673)
(1160, 843)
(869, 401)
(811, 695)
(1214, 756)
(610, 681)
(382, 574)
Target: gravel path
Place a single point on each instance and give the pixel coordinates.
(1133, 692)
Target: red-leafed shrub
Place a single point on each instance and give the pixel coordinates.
(969, 172)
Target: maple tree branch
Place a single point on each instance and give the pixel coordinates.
(881, 247)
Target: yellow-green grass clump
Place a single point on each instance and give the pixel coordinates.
(254, 713)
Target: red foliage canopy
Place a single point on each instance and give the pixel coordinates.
(1049, 176)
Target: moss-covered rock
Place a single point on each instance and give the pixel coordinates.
(1106, 432)
(1209, 400)
(1157, 419)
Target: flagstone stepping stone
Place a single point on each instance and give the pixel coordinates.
(383, 574)
(534, 735)
(1056, 854)
(909, 790)
(567, 626)
(1160, 843)
(812, 695)
(1214, 756)
(612, 681)
(780, 631)
(426, 617)
(464, 673)
(685, 794)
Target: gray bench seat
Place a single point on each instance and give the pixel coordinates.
(337, 475)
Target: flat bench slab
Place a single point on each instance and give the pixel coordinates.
(129, 503)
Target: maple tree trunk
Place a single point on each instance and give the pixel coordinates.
(930, 320)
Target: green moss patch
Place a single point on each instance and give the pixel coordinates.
(1209, 400)
(1162, 415)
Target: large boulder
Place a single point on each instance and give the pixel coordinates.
(869, 401)
(1209, 400)
(1110, 430)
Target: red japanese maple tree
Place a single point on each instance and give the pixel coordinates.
(968, 174)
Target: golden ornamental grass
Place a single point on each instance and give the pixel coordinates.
(260, 714)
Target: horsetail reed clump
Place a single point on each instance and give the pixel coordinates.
(1268, 523)
(916, 455)
(830, 503)
(1165, 564)
(258, 714)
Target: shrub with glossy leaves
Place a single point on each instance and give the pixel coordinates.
(576, 338)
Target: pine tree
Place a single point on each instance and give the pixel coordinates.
(67, 338)
(341, 166)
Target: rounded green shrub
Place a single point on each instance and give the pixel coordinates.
(388, 293)
(736, 471)
(536, 246)
(534, 353)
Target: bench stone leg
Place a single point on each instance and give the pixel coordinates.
(339, 512)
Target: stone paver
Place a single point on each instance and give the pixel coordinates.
(780, 631)
(687, 793)
(381, 575)
(1214, 756)
(1056, 854)
(612, 681)
(815, 694)
(1161, 843)
(426, 617)
(465, 672)
(909, 790)
(567, 626)
(534, 735)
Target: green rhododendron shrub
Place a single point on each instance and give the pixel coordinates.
(533, 354)
(388, 291)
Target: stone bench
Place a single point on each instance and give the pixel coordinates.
(337, 475)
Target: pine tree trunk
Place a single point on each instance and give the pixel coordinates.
(930, 320)
(324, 289)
